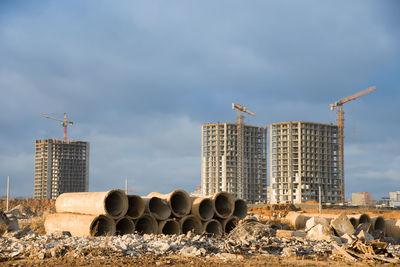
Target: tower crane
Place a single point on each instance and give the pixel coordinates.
(241, 181)
(64, 123)
(340, 121)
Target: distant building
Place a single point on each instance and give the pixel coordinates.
(219, 161)
(394, 199)
(362, 199)
(60, 166)
(303, 160)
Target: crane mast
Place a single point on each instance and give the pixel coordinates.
(64, 123)
(241, 181)
(340, 121)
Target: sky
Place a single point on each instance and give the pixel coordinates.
(139, 78)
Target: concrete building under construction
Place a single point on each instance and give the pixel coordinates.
(304, 160)
(220, 166)
(60, 166)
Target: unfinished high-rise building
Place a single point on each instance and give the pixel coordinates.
(220, 166)
(60, 166)
(304, 162)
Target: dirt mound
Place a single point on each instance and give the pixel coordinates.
(20, 211)
(35, 206)
(274, 210)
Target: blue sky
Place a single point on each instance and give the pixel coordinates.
(138, 78)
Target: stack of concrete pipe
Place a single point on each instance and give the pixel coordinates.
(115, 213)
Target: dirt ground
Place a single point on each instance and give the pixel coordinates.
(38, 206)
(120, 260)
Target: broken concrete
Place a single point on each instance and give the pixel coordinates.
(319, 233)
(342, 225)
(313, 221)
(365, 236)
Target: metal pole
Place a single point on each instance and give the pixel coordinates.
(320, 204)
(126, 186)
(8, 190)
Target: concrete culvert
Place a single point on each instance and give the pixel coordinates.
(364, 218)
(135, 207)
(80, 224)
(224, 204)
(124, 226)
(240, 209)
(146, 224)
(157, 207)
(169, 227)
(378, 223)
(179, 202)
(392, 228)
(354, 221)
(113, 203)
(203, 207)
(191, 223)
(229, 224)
(213, 227)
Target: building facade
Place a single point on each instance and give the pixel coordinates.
(304, 162)
(362, 199)
(219, 161)
(60, 166)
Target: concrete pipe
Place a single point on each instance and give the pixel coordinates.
(146, 224)
(113, 203)
(354, 221)
(203, 207)
(296, 220)
(240, 210)
(135, 206)
(360, 218)
(224, 204)
(229, 224)
(169, 227)
(80, 224)
(392, 228)
(191, 223)
(213, 227)
(157, 207)
(178, 200)
(124, 226)
(378, 223)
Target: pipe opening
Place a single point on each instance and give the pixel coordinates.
(191, 223)
(231, 224)
(159, 208)
(379, 223)
(213, 227)
(101, 226)
(206, 209)
(180, 203)
(145, 225)
(354, 222)
(124, 226)
(115, 203)
(223, 205)
(240, 208)
(135, 207)
(364, 218)
(171, 227)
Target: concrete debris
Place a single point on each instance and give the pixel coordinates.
(319, 233)
(20, 212)
(289, 233)
(365, 236)
(342, 225)
(313, 221)
(8, 223)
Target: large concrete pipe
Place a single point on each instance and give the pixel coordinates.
(178, 200)
(359, 218)
(135, 206)
(169, 227)
(392, 228)
(354, 221)
(191, 223)
(229, 224)
(240, 210)
(157, 207)
(80, 224)
(113, 203)
(213, 227)
(124, 226)
(146, 224)
(203, 207)
(224, 204)
(378, 223)
(296, 220)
